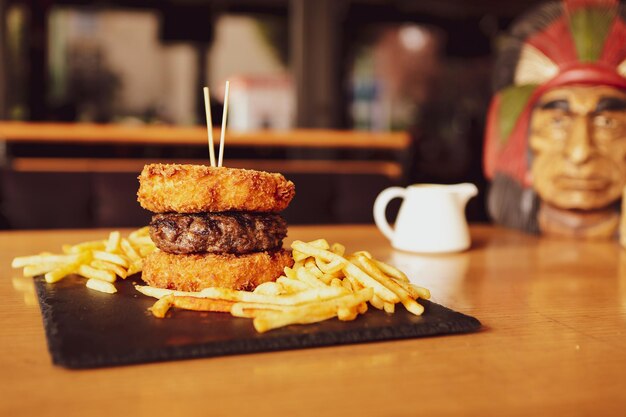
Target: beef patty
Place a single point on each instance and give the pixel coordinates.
(228, 232)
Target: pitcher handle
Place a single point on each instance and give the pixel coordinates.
(380, 208)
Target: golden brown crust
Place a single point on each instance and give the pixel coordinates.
(198, 271)
(165, 188)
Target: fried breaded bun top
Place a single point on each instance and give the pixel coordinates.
(166, 188)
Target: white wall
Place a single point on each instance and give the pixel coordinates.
(238, 49)
(163, 76)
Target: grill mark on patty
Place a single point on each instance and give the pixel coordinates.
(226, 232)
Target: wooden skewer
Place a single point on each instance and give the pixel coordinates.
(209, 124)
(224, 118)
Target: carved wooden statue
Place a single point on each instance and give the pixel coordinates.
(556, 131)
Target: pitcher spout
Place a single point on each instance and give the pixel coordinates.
(464, 192)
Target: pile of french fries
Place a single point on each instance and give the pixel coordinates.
(100, 261)
(323, 283)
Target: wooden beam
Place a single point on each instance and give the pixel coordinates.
(157, 135)
(392, 170)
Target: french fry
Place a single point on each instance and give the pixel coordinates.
(66, 269)
(113, 242)
(336, 282)
(389, 308)
(135, 268)
(364, 253)
(201, 304)
(292, 285)
(362, 308)
(141, 241)
(370, 267)
(380, 290)
(310, 313)
(299, 256)
(146, 250)
(139, 234)
(111, 257)
(102, 286)
(155, 292)
(34, 270)
(108, 266)
(338, 248)
(311, 266)
(129, 251)
(405, 298)
(356, 285)
(61, 272)
(409, 303)
(308, 278)
(269, 288)
(320, 244)
(313, 251)
(332, 268)
(85, 246)
(306, 296)
(349, 268)
(347, 314)
(23, 261)
(302, 296)
(93, 273)
(290, 273)
(413, 306)
(377, 303)
(23, 284)
(251, 310)
(265, 321)
(414, 291)
(390, 270)
(423, 292)
(161, 307)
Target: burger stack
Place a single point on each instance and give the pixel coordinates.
(214, 226)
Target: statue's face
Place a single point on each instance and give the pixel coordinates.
(578, 142)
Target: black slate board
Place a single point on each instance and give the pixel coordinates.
(88, 329)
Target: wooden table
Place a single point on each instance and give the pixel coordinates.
(554, 343)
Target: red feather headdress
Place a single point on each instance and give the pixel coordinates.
(576, 42)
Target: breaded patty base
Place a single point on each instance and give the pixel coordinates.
(198, 271)
(166, 188)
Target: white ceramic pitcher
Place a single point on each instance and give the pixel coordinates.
(431, 218)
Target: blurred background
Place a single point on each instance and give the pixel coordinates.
(345, 97)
